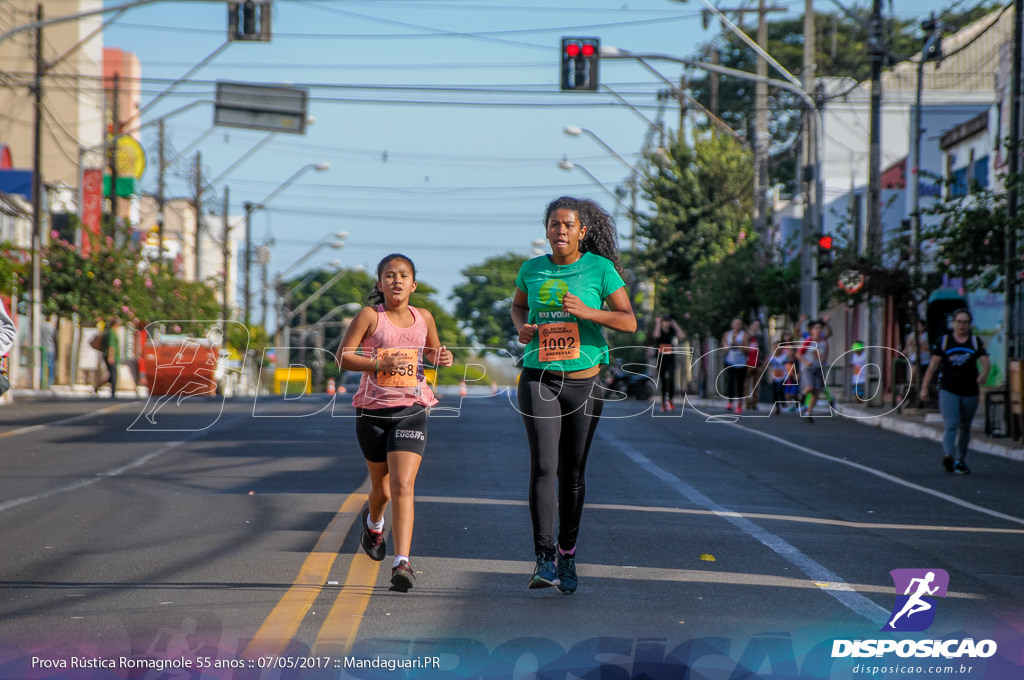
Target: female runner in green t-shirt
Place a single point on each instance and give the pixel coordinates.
(558, 310)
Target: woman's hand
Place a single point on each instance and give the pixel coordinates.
(575, 306)
(445, 357)
(391, 362)
(526, 332)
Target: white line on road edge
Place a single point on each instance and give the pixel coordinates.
(113, 472)
(886, 476)
(42, 426)
(837, 588)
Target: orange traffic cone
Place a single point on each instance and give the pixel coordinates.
(330, 386)
(462, 388)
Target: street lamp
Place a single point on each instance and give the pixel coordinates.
(325, 242)
(576, 131)
(322, 166)
(567, 165)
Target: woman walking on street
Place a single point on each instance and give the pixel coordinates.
(387, 341)
(956, 357)
(558, 311)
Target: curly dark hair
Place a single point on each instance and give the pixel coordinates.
(376, 296)
(601, 238)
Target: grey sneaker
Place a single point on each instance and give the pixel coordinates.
(544, 574)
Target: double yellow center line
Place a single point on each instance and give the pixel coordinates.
(342, 621)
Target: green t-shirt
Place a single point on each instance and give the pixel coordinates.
(564, 342)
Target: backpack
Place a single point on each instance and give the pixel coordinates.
(96, 342)
(974, 342)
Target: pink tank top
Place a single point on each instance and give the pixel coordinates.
(379, 390)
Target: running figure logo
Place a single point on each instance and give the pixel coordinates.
(914, 610)
(552, 292)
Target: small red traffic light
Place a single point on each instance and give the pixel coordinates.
(588, 49)
(572, 50)
(825, 242)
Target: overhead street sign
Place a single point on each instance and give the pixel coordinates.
(275, 108)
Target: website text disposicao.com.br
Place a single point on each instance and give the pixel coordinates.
(904, 670)
(960, 657)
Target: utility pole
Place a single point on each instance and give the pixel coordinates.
(225, 251)
(199, 213)
(36, 316)
(761, 129)
(115, 133)
(682, 102)
(247, 208)
(761, 134)
(874, 230)
(161, 168)
(1013, 310)
(809, 288)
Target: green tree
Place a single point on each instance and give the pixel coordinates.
(483, 303)
(969, 241)
(701, 193)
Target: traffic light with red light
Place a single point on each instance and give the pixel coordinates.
(824, 252)
(580, 58)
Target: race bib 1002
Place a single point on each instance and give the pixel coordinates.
(559, 341)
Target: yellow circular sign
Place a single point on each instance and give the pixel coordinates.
(131, 159)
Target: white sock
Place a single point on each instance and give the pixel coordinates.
(399, 559)
(374, 526)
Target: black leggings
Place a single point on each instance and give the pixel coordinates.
(667, 376)
(735, 377)
(560, 415)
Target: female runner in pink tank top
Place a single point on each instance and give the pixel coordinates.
(387, 342)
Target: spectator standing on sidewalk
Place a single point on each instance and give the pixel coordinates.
(110, 352)
(666, 333)
(918, 350)
(956, 357)
(736, 342)
(785, 383)
(757, 362)
(49, 336)
(7, 330)
(7, 335)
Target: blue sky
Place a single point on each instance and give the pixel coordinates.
(442, 120)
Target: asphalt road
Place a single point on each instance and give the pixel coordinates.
(223, 533)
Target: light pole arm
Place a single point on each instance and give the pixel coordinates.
(751, 43)
(609, 149)
(311, 299)
(789, 86)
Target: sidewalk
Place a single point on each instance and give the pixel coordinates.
(920, 423)
(927, 424)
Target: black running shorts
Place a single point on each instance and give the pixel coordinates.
(379, 431)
